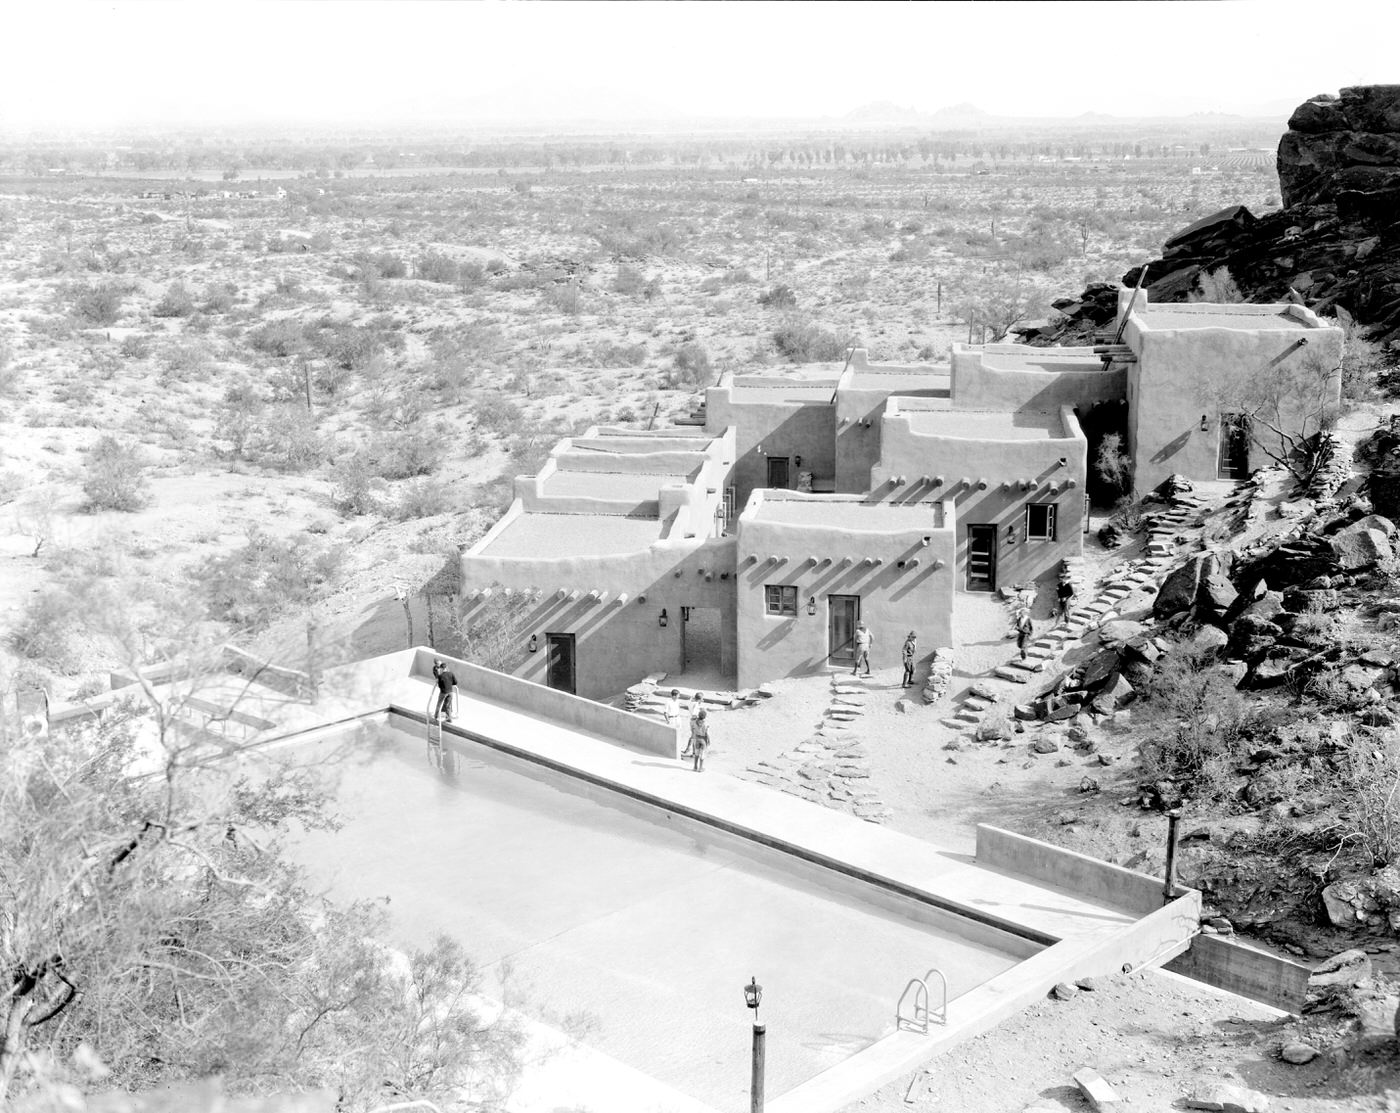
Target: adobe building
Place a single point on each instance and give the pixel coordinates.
(752, 540)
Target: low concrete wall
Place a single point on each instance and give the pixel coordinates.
(1257, 975)
(622, 727)
(1161, 935)
(1086, 877)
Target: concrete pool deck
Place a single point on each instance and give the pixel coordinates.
(1087, 917)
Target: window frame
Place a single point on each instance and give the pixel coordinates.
(1052, 517)
(776, 600)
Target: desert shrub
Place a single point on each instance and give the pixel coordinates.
(262, 579)
(494, 633)
(804, 342)
(422, 498)
(135, 346)
(495, 412)
(408, 453)
(220, 299)
(97, 305)
(114, 476)
(354, 485)
(1217, 286)
(285, 437)
(1370, 785)
(562, 297)
(177, 302)
(1128, 515)
(280, 338)
(433, 266)
(238, 414)
(629, 280)
(1208, 734)
(181, 362)
(470, 275)
(692, 366)
(778, 297)
(42, 632)
(1112, 465)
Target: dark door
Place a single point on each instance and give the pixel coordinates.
(981, 558)
(1234, 446)
(559, 664)
(843, 612)
(777, 471)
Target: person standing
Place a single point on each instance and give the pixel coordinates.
(911, 651)
(695, 708)
(1065, 595)
(446, 691)
(864, 640)
(699, 739)
(1024, 629)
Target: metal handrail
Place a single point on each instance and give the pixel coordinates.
(918, 1019)
(919, 1015)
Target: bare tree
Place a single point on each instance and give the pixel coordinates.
(998, 302)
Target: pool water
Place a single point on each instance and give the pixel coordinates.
(575, 899)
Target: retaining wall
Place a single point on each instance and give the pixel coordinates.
(1257, 975)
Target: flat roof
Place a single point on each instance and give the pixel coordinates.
(1041, 359)
(897, 382)
(1022, 425)
(555, 535)
(878, 516)
(610, 485)
(773, 392)
(1218, 316)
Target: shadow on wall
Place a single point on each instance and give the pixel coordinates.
(1171, 448)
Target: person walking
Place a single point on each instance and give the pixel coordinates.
(446, 700)
(1025, 628)
(699, 739)
(911, 651)
(864, 640)
(695, 707)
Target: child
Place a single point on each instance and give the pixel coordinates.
(699, 739)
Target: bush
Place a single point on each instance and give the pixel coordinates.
(41, 634)
(135, 346)
(1370, 783)
(778, 297)
(1113, 466)
(176, 302)
(692, 367)
(422, 498)
(95, 305)
(1208, 738)
(113, 476)
(436, 267)
(285, 436)
(807, 343)
(259, 581)
(407, 454)
(280, 338)
(353, 485)
(494, 412)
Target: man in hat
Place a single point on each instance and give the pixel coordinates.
(446, 700)
(911, 652)
(864, 640)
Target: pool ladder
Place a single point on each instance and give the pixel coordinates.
(917, 1019)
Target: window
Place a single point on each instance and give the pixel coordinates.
(1040, 521)
(780, 600)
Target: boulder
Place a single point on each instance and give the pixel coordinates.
(1044, 745)
(1178, 591)
(1064, 991)
(1349, 968)
(1301, 601)
(1207, 639)
(1215, 596)
(1120, 631)
(1225, 1097)
(1355, 548)
(1376, 522)
(1298, 1053)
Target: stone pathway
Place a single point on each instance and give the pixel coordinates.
(1178, 524)
(832, 767)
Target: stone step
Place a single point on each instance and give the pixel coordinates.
(966, 717)
(1030, 664)
(977, 703)
(1008, 673)
(1040, 653)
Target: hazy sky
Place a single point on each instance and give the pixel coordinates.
(100, 64)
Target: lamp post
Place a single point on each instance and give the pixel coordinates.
(753, 994)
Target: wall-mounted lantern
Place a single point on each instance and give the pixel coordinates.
(812, 605)
(1205, 423)
(1064, 461)
(1011, 535)
(533, 644)
(664, 620)
(797, 461)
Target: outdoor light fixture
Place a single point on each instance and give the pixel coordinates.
(664, 620)
(1011, 535)
(812, 605)
(533, 644)
(1064, 461)
(797, 461)
(1205, 423)
(753, 994)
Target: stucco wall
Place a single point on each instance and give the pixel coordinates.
(616, 642)
(781, 428)
(894, 600)
(1003, 465)
(1184, 374)
(977, 387)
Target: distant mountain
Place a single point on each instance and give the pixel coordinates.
(960, 113)
(884, 112)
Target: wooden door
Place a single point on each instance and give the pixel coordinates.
(559, 664)
(778, 471)
(843, 612)
(981, 558)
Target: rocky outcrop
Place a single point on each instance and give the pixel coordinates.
(1335, 243)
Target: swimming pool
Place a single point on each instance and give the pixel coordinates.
(573, 898)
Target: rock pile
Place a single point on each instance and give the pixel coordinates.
(940, 675)
(1339, 175)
